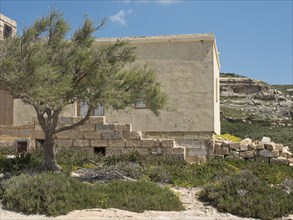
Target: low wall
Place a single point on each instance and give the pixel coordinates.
(261, 151)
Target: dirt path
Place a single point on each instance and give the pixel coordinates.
(195, 210)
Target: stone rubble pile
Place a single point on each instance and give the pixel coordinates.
(261, 151)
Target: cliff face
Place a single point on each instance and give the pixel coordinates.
(244, 98)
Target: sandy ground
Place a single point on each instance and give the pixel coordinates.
(194, 210)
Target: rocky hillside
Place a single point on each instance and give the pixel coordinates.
(254, 109)
(248, 99)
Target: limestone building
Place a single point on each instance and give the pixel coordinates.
(187, 67)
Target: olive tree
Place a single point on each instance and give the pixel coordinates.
(48, 70)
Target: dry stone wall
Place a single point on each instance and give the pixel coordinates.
(261, 151)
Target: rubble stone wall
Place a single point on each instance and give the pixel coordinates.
(261, 151)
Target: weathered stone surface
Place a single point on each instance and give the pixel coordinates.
(25, 132)
(225, 143)
(116, 143)
(147, 143)
(87, 127)
(222, 150)
(234, 146)
(63, 135)
(66, 120)
(193, 143)
(175, 151)
(259, 145)
(99, 143)
(111, 135)
(38, 135)
(270, 146)
(279, 160)
(133, 143)
(247, 154)
(252, 146)
(81, 143)
(97, 120)
(194, 152)
(266, 140)
(10, 132)
(105, 127)
(64, 143)
(92, 135)
(168, 143)
(234, 154)
(3, 144)
(74, 134)
(268, 153)
(279, 147)
(133, 135)
(244, 144)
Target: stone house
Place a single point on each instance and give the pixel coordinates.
(187, 66)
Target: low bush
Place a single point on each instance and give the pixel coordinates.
(56, 194)
(142, 195)
(246, 195)
(50, 194)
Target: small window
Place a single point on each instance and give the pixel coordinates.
(7, 31)
(140, 105)
(100, 150)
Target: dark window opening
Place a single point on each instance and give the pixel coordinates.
(39, 143)
(100, 150)
(7, 31)
(22, 147)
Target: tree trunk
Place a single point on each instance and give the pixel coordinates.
(50, 162)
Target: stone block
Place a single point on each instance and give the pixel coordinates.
(290, 160)
(10, 132)
(196, 159)
(270, 146)
(259, 145)
(194, 152)
(243, 147)
(75, 134)
(252, 146)
(176, 151)
(133, 143)
(38, 127)
(191, 143)
(222, 150)
(87, 127)
(111, 135)
(105, 127)
(92, 135)
(225, 144)
(205, 135)
(268, 153)
(245, 143)
(38, 135)
(247, 154)
(234, 154)
(63, 135)
(262, 159)
(97, 120)
(99, 143)
(3, 144)
(279, 160)
(64, 143)
(234, 146)
(25, 132)
(279, 147)
(266, 140)
(81, 143)
(169, 143)
(147, 143)
(133, 135)
(158, 150)
(116, 143)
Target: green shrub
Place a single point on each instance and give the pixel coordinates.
(141, 195)
(133, 157)
(57, 194)
(50, 194)
(229, 137)
(246, 195)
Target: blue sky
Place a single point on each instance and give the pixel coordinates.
(254, 37)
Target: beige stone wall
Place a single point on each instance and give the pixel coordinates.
(187, 67)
